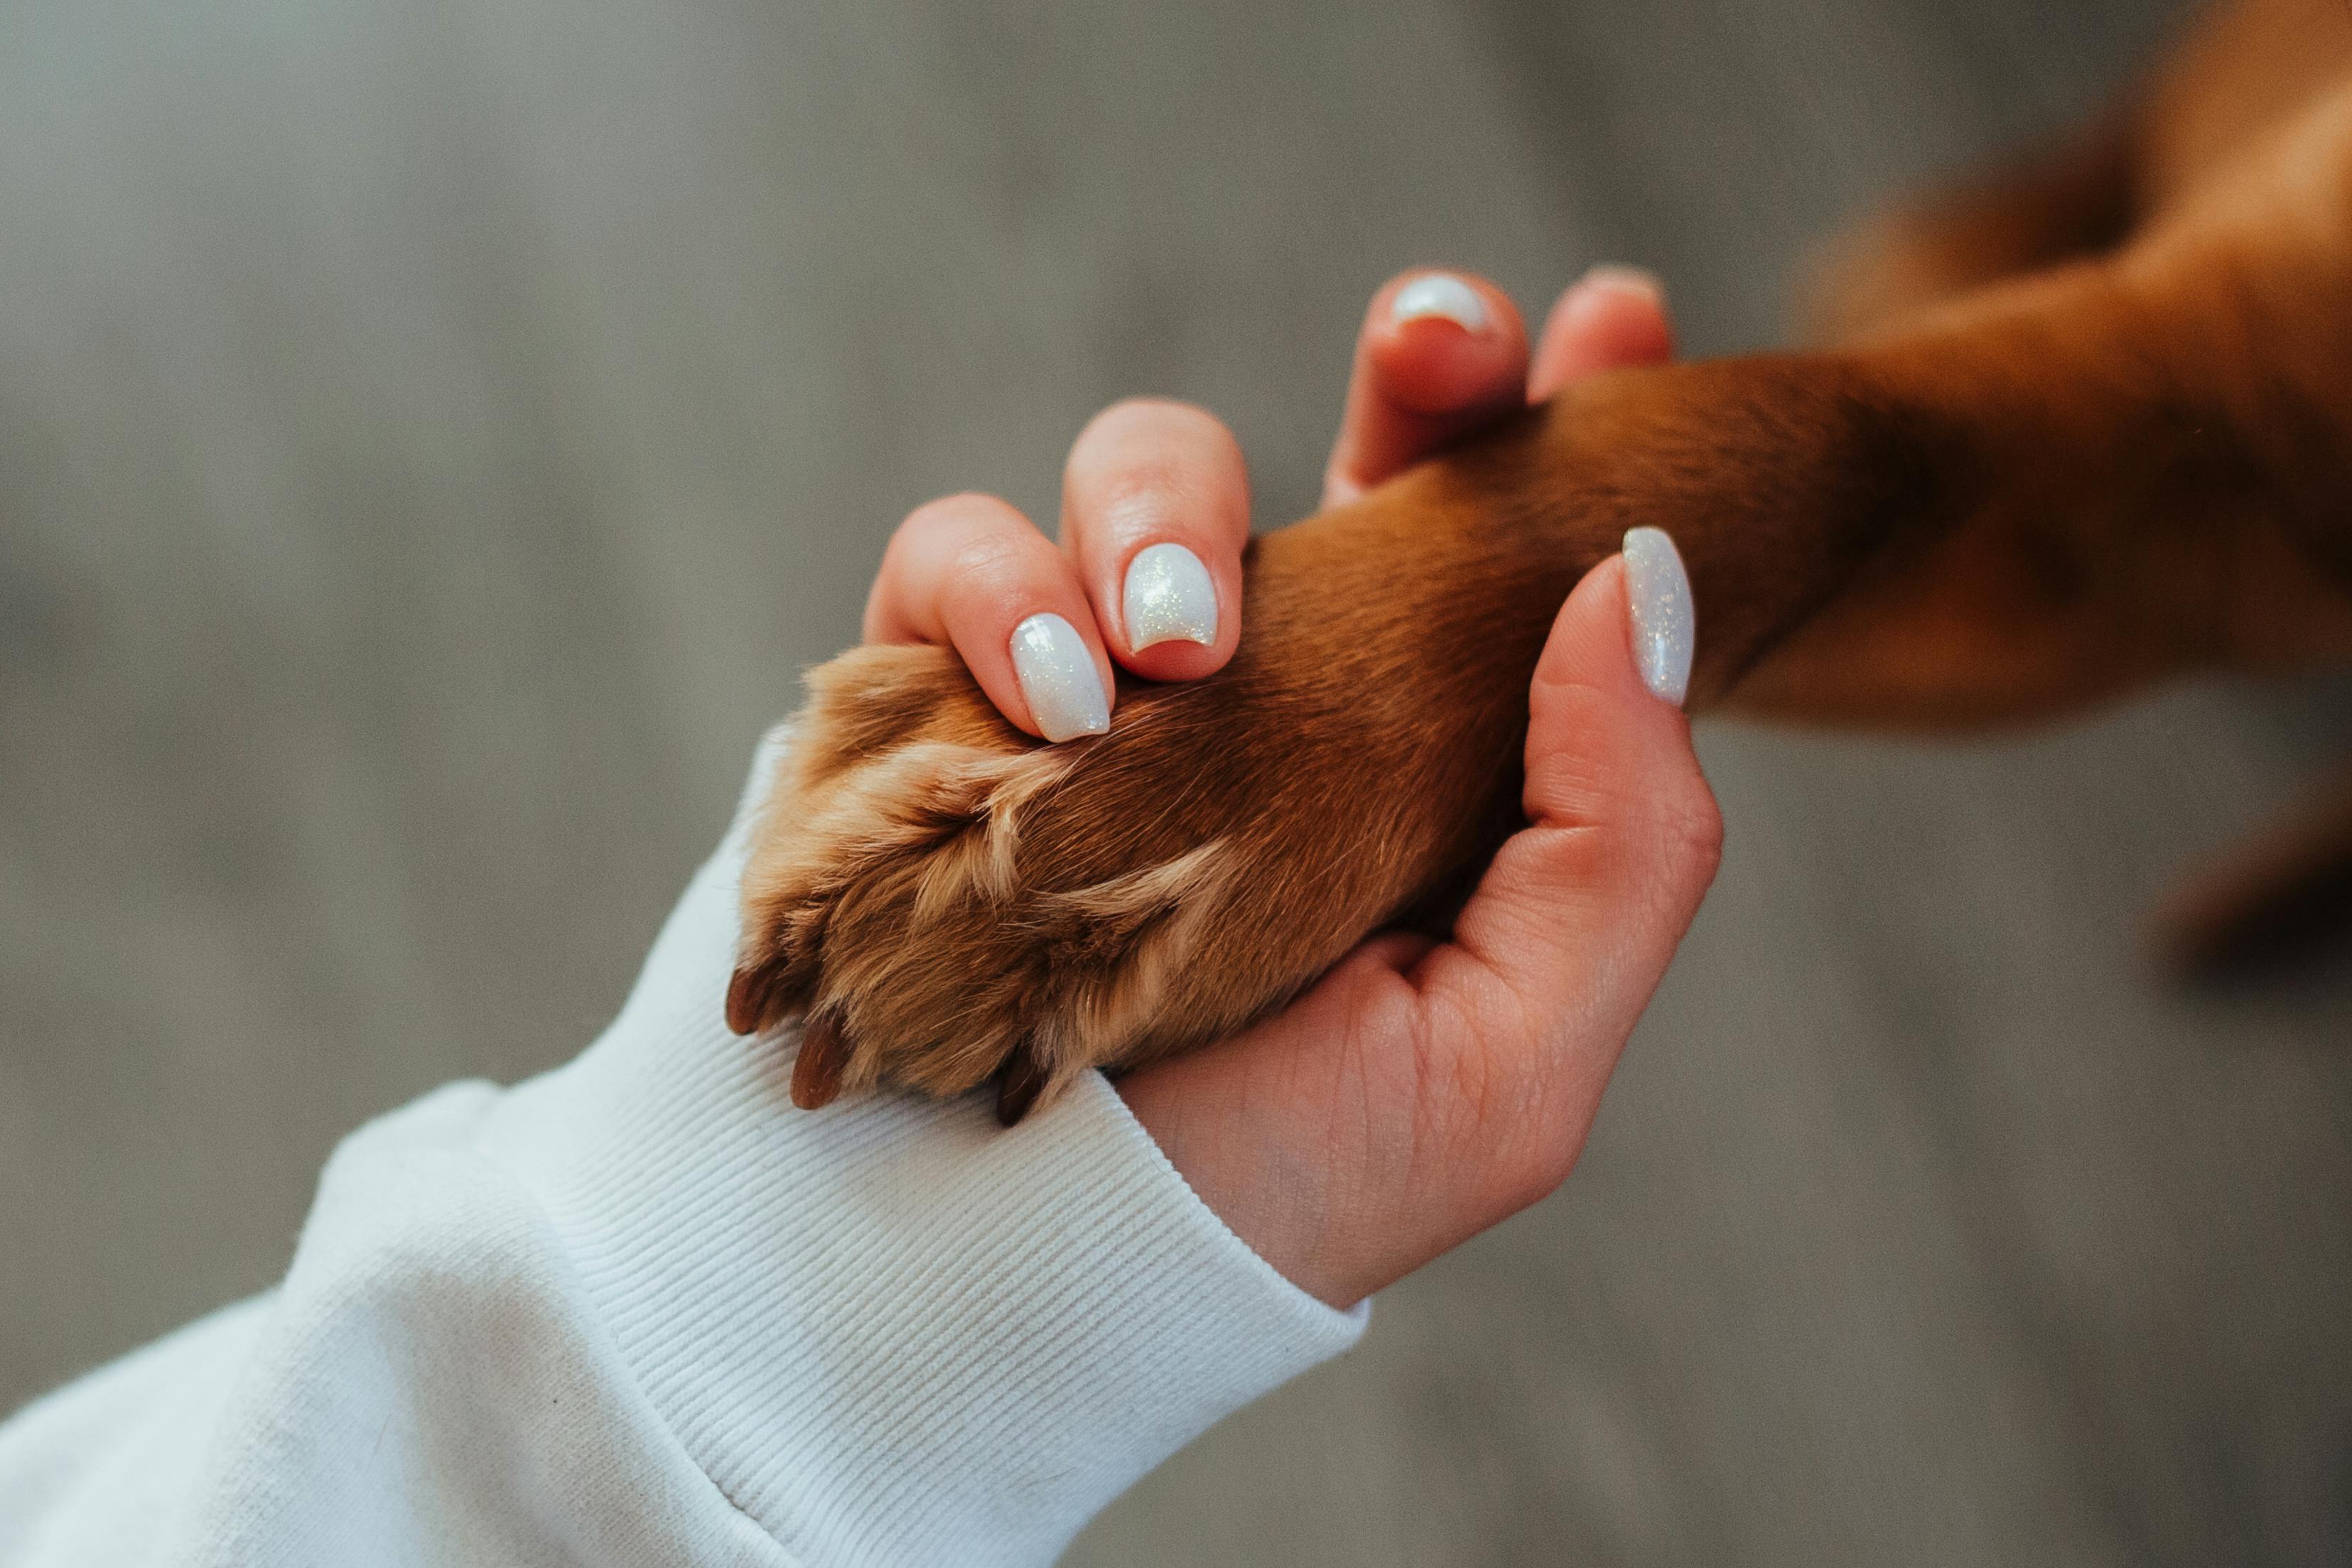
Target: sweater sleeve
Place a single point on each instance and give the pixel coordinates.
(641, 1310)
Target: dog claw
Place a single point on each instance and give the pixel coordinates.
(825, 1055)
(750, 997)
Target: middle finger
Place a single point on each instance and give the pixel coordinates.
(1156, 512)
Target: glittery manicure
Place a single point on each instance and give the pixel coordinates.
(1168, 598)
(1658, 600)
(1058, 675)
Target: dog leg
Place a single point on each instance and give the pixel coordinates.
(2161, 484)
(2042, 496)
(2074, 199)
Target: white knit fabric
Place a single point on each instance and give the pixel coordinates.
(641, 1311)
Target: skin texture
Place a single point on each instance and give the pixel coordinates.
(2005, 493)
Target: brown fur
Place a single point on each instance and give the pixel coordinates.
(2086, 425)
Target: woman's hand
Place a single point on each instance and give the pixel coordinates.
(1147, 571)
(1420, 1092)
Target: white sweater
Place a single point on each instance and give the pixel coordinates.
(640, 1311)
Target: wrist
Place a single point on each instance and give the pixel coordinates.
(1240, 1164)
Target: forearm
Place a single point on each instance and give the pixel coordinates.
(641, 1310)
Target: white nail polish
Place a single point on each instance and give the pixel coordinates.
(1665, 625)
(1058, 677)
(1439, 294)
(1168, 598)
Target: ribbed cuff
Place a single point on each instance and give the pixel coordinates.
(890, 1331)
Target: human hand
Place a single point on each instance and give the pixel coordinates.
(1420, 1092)
(1147, 570)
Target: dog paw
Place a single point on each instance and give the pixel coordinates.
(944, 901)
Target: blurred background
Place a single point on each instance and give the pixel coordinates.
(434, 436)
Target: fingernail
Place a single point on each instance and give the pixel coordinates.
(1658, 597)
(1627, 280)
(1168, 598)
(1439, 294)
(1057, 676)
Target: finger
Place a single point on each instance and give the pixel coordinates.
(1440, 353)
(972, 572)
(1613, 317)
(1558, 949)
(1155, 512)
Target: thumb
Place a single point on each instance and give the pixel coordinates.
(1582, 910)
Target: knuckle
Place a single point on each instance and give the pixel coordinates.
(991, 558)
(952, 516)
(1690, 829)
(1580, 854)
(1136, 418)
(1159, 435)
(1147, 495)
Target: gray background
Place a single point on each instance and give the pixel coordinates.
(433, 436)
